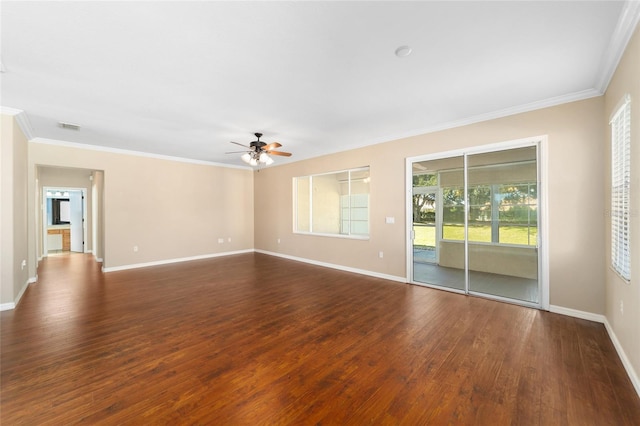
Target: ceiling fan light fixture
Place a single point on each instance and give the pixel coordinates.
(260, 153)
(265, 159)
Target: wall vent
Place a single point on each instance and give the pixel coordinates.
(69, 126)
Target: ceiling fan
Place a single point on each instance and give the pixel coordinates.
(259, 151)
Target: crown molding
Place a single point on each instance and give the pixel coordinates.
(21, 119)
(627, 23)
(493, 115)
(56, 142)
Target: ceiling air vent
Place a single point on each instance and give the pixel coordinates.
(68, 125)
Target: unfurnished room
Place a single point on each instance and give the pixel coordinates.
(320, 212)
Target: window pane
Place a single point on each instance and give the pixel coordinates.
(337, 204)
(480, 195)
(621, 190)
(326, 204)
(302, 204)
(480, 223)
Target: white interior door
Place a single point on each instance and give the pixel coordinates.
(77, 223)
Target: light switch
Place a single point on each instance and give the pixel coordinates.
(390, 219)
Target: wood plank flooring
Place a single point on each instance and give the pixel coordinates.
(256, 340)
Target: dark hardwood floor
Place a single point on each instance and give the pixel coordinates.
(252, 339)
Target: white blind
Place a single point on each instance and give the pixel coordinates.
(621, 189)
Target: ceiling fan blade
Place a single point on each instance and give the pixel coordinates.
(244, 146)
(280, 153)
(271, 146)
(235, 152)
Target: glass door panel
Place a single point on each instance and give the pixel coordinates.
(502, 224)
(438, 222)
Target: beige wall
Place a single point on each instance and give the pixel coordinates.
(575, 150)
(168, 209)
(626, 326)
(13, 211)
(97, 214)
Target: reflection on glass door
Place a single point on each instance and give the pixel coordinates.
(438, 223)
(503, 223)
(475, 223)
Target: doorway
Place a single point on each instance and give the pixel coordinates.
(476, 222)
(64, 214)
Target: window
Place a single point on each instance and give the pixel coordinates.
(335, 203)
(621, 189)
(504, 214)
(453, 213)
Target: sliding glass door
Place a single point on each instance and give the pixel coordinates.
(503, 224)
(438, 226)
(475, 223)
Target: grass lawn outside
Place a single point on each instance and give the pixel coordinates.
(425, 235)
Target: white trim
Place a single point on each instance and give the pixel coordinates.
(589, 316)
(541, 142)
(7, 306)
(334, 266)
(618, 108)
(479, 149)
(346, 236)
(501, 113)
(55, 142)
(25, 125)
(631, 372)
(22, 290)
(177, 260)
(12, 305)
(627, 22)
(408, 216)
(543, 221)
(21, 119)
(9, 111)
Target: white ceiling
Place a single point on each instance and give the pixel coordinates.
(183, 78)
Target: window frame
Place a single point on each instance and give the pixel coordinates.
(495, 210)
(341, 208)
(620, 197)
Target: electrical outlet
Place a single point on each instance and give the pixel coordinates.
(220, 240)
(23, 264)
(621, 307)
(380, 254)
(278, 240)
(229, 239)
(135, 249)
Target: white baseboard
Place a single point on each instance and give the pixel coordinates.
(577, 314)
(22, 290)
(7, 306)
(168, 261)
(631, 372)
(334, 266)
(12, 305)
